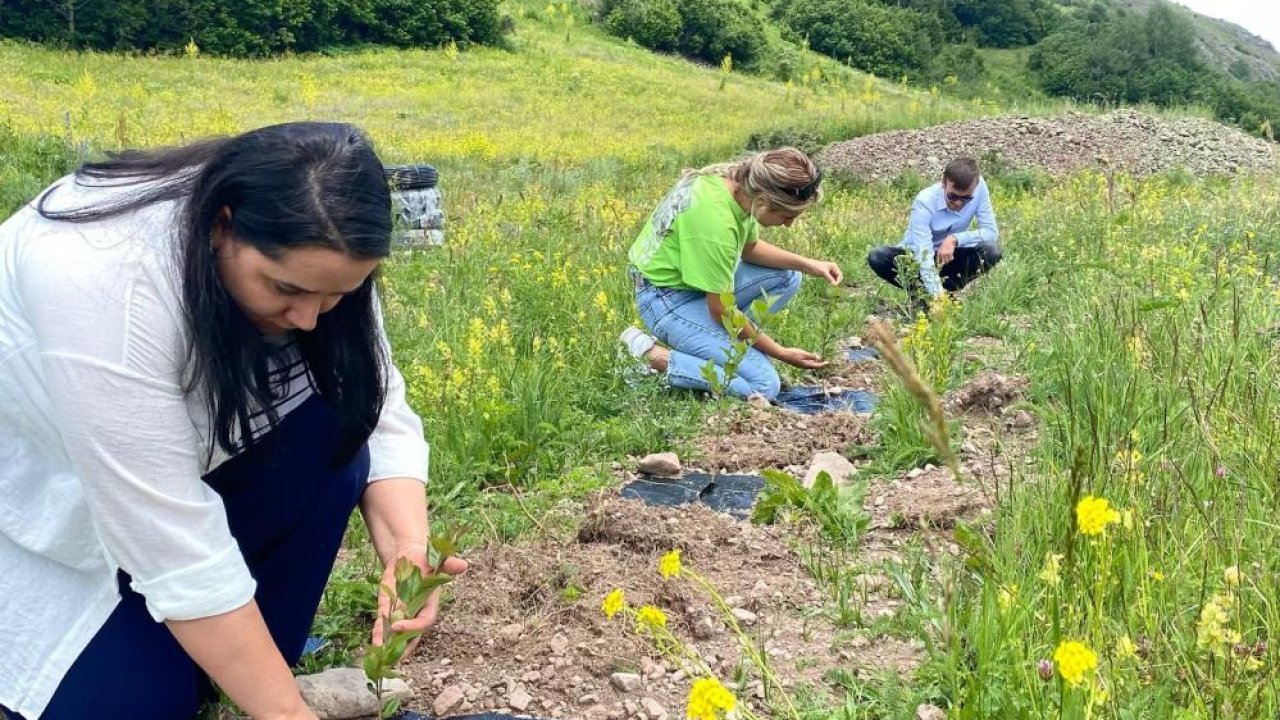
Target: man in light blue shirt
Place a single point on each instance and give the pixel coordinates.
(949, 254)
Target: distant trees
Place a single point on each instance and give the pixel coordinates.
(1135, 58)
(704, 30)
(251, 28)
(882, 39)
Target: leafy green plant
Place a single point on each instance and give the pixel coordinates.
(736, 323)
(838, 511)
(412, 591)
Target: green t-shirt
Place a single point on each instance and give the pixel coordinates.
(694, 240)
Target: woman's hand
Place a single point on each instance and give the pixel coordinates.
(426, 618)
(828, 271)
(802, 358)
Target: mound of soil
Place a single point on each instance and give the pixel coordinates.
(525, 631)
(1127, 140)
(759, 438)
(987, 391)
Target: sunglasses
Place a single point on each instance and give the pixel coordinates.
(804, 192)
(956, 197)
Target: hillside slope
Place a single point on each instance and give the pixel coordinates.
(1225, 45)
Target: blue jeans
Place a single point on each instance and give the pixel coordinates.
(287, 508)
(681, 320)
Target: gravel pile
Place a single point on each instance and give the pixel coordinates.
(1128, 140)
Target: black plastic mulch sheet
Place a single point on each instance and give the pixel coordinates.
(731, 494)
(810, 400)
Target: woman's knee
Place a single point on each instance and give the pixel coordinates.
(761, 376)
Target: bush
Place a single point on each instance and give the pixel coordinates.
(888, 41)
(963, 62)
(711, 29)
(706, 30)
(654, 24)
(251, 28)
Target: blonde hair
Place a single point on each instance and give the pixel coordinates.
(771, 178)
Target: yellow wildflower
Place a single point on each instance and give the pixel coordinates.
(1128, 520)
(1094, 514)
(1157, 576)
(709, 700)
(1074, 661)
(1125, 648)
(613, 603)
(1212, 631)
(1008, 596)
(670, 565)
(1231, 576)
(650, 617)
(1052, 567)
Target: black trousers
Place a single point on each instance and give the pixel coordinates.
(968, 263)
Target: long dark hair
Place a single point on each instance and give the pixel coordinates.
(304, 184)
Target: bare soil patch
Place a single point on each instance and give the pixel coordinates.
(759, 438)
(526, 621)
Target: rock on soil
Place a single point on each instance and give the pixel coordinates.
(1127, 140)
(832, 463)
(661, 464)
(342, 693)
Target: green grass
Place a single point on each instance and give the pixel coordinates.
(552, 153)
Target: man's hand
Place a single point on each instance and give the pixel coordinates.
(828, 271)
(947, 251)
(802, 359)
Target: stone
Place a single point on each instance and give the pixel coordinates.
(1022, 420)
(448, 699)
(705, 628)
(559, 644)
(625, 682)
(744, 616)
(342, 693)
(519, 700)
(654, 708)
(914, 473)
(511, 632)
(834, 464)
(661, 464)
(930, 712)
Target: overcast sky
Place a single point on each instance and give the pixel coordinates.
(1260, 17)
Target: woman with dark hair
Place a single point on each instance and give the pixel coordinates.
(195, 393)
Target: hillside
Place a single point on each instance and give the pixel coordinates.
(1225, 45)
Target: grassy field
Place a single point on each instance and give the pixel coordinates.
(1144, 314)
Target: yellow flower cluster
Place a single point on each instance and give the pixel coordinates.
(709, 700)
(1074, 660)
(613, 603)
(1051, 574)
(1213, 631)
(1094, 514)
(649, 617)
(670, 565)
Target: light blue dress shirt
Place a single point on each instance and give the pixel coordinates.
(932, 221)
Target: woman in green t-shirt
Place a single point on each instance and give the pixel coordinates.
(702, 241)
